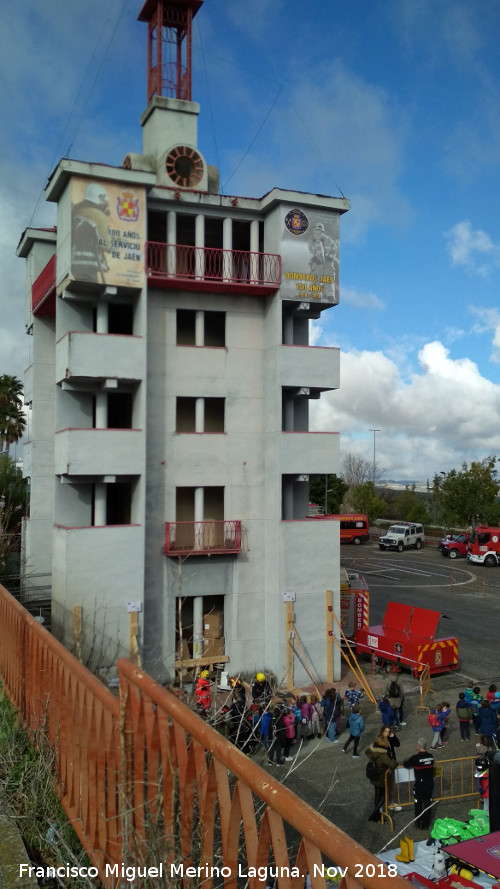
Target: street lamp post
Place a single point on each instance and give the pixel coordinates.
(374, 460)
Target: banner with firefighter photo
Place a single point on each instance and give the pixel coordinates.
(108, 231)
(310, 256)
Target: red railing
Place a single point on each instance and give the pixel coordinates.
(212, 265)
(144, 780)
(43, 290)
(199, 538)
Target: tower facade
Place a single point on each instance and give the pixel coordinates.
(170, 455)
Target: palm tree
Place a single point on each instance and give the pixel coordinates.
(12, 420)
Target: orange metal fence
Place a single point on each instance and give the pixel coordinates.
(50, 687)
(143, 778)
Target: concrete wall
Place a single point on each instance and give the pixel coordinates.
(101, 569)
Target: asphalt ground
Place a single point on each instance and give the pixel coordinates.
(335, 783)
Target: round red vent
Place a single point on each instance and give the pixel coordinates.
(184, 166)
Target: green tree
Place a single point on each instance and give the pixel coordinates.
(13, 496)
(334, 487)
(12, 420)
(365, 500)
(468, 497)
(13, 506)
(408, 506)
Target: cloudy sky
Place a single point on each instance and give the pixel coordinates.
(392, 103)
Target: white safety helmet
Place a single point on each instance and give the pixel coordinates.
(96, 194)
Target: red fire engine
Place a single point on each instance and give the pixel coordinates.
(354, 603)
(407, 636)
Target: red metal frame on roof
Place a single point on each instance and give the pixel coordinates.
(169, 47)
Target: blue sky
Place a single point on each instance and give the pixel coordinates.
(392, 103)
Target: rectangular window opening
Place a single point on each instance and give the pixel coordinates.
(215, 329)
(121, 318)
(119, 410)
(185, 415)
(214, 415)
(186, 327)
(119, 503)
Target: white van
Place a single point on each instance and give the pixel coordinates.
(401, 535)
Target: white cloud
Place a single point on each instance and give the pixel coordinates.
(472, 248)
(489, 320)
(446, 413)
(360, 300)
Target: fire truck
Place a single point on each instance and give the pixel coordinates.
(354, 603)
(407, 638)
(484, 546)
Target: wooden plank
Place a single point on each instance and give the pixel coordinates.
(290, 617)
(135, 657)
(201, 661)
(329, 640)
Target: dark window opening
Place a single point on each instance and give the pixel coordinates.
(213, 504)
(121, 318)
(157, 227)
(186, 327)
(186, 230)
(119, 503)
(185, 415)
(241, 236)
(119, 410)
(215, 329)
(214, 414)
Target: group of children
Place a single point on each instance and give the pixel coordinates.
(297, 721)
(471, 709)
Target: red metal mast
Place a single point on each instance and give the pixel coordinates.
(169, 46)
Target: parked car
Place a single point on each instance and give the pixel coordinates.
(454, 545)
(402, 535)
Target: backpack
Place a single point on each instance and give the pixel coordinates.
(394, 689)
(433, 720)
(371, 770)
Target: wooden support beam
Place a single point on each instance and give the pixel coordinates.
(328, 628)
(135, 657)
(290, 617)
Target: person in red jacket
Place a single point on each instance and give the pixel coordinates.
(202, 694)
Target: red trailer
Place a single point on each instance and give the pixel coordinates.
(407, 637)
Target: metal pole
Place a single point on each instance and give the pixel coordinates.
(374, 461)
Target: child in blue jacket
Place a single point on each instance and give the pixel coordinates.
(386, 711)
(356, 725)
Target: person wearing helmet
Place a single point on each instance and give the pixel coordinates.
(261, 691)
(482, 776)
(238, 693)
(90, 235)
(202, 694)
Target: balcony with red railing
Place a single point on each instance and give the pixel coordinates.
(43, 291)
(211, 268)
(202, 538)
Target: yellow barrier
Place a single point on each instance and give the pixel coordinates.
(453, 779)
(425, 688)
